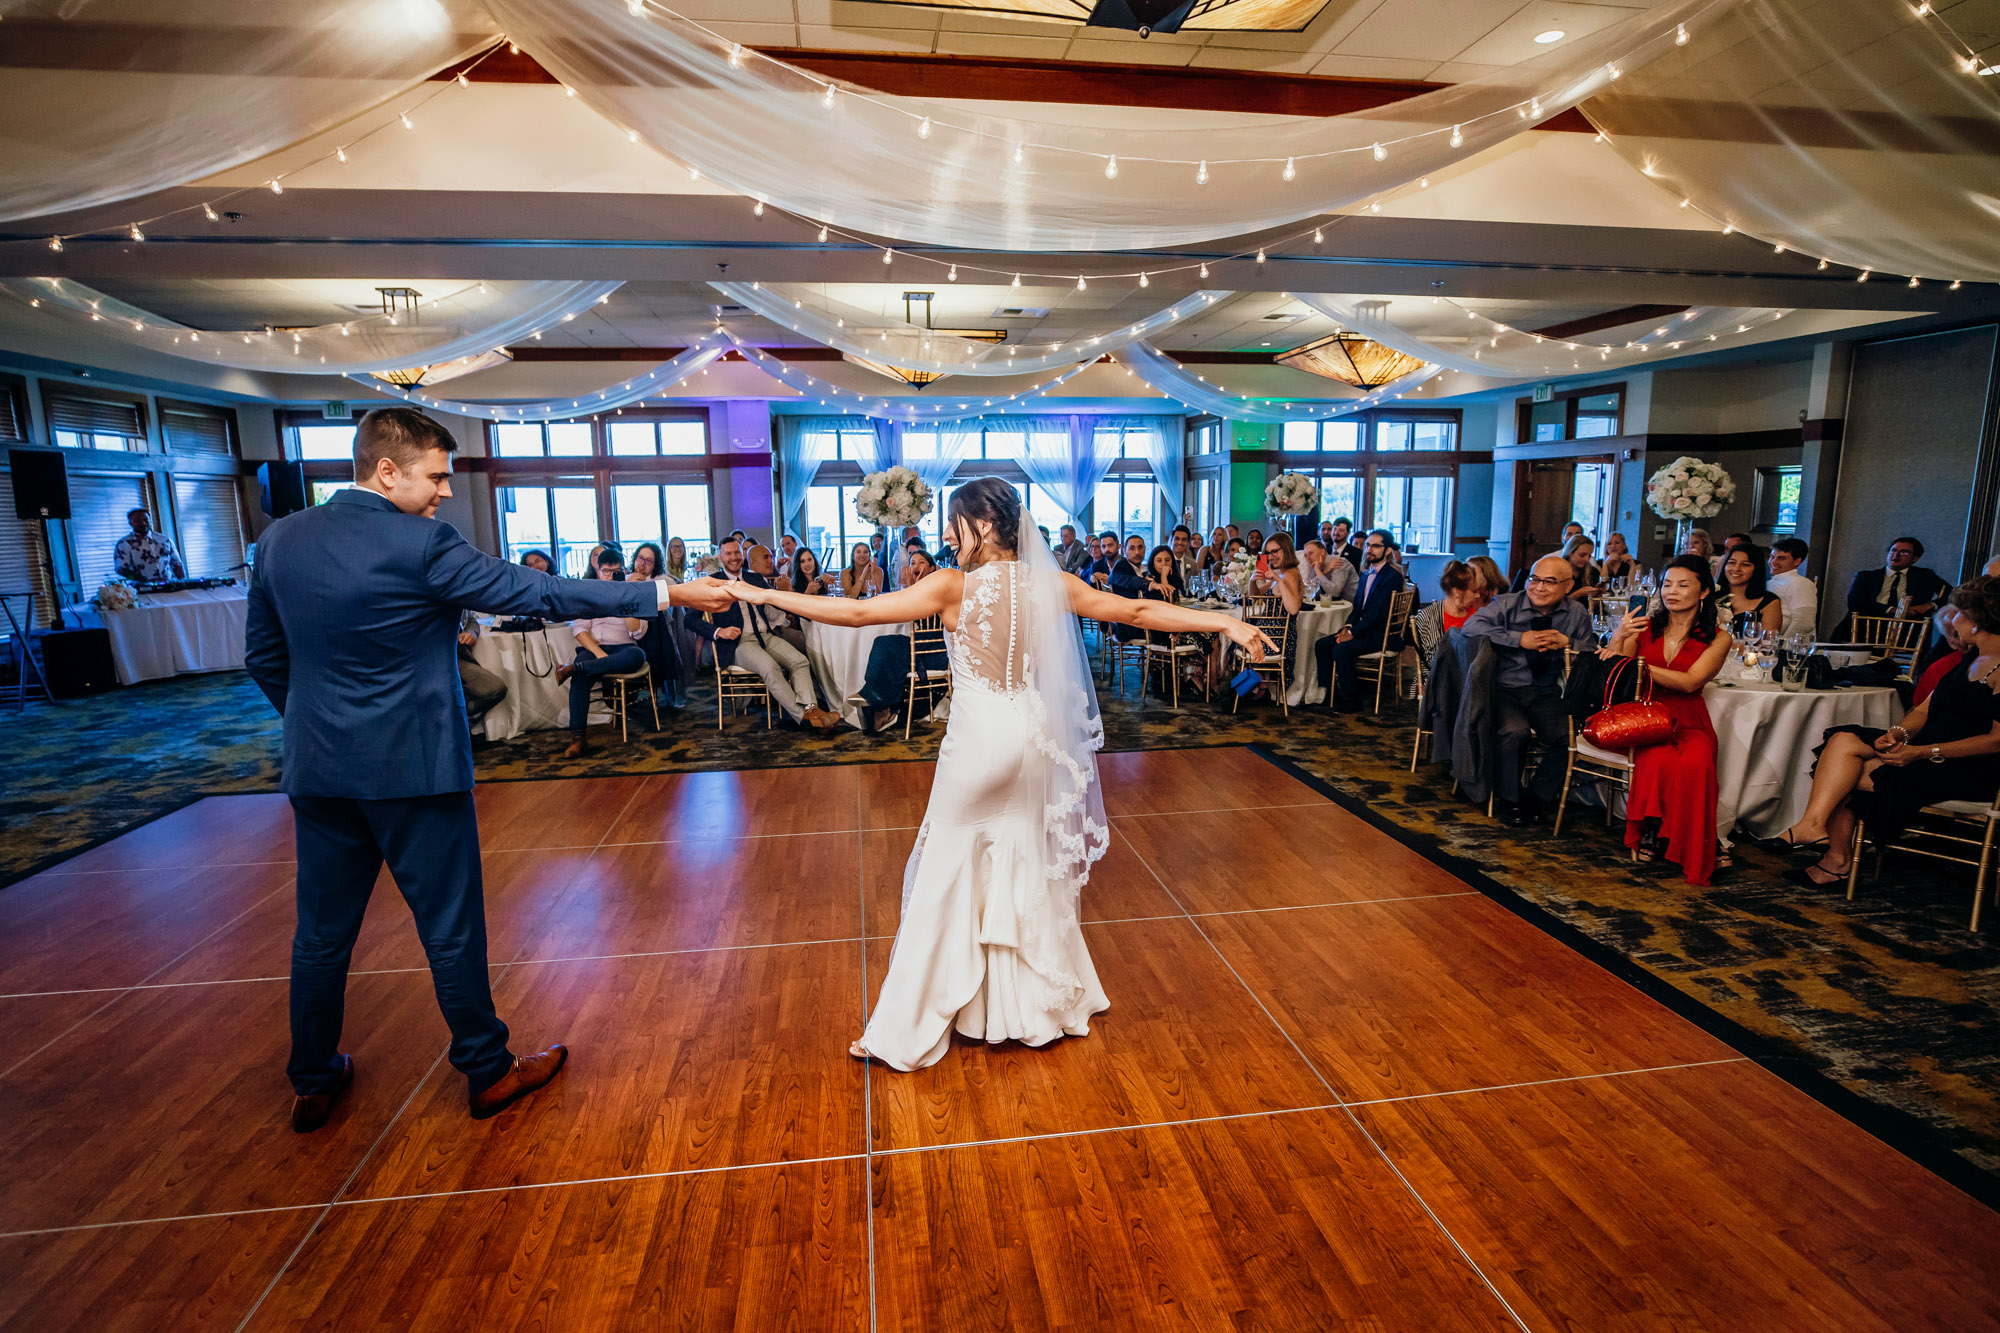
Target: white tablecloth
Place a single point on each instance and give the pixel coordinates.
(839, 657)
(527, 662)
(1312, 624)
(1765, 737)
(170, 633)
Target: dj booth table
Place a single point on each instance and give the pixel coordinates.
(173, 633)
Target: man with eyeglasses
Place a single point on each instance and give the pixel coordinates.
(1337, 654)
(1529, 631)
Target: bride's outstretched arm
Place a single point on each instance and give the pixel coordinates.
(1094, 604)
(927, 597)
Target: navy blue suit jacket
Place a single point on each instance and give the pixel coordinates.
(1374, 609)
(353, 636)
(708, 622)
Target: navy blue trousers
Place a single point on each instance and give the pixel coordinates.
(589, 669)
(432, 846)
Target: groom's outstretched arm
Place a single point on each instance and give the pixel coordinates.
(461, 575)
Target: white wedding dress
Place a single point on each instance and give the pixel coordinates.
(989, 942)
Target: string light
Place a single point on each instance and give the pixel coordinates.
(1680, 34)
(340, 155)
(924, 130)
(1260, 254)
(1015, 283)
(1291, 171)
(1111, 167)
(1457, 137)
(137, 235)
(758, 210)
(953, 275)
(408, 124)
(1080, 284)
(277, 186)
(1381, 155)
(1145, 281)
(735, 55)
(826, 98)
(888, 256)
(1201, 173)
(1204, 270)
(822, 235)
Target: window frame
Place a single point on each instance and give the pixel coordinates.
(1524, 430)
(144, 443)
(1767, 479)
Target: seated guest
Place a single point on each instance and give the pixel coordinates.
(1950, 625)
(1281, 577)
(885, 684)
(662, 644)
(1699, 543)
(806, 575)
(1254, 539)
(745, 635)
(1734, 540)
(1342, 544)
(1211, 554)
(1901, 588)
(912, 539)
(538, 560)
(1233, 533)
(863, 575)
(1947, 748)
(1578, 550)
(1617, 562)
(1571, 531)
(1742, 603)
(1671, 809)
(677, 560)
(1098, 571)
(1326, 534)
(757, 558)
(1071, 554)
(146, 556)
(648, 563)
(1128, 578)
(1464, 591)
(482, 688)
(1182, 542)
(1529, 631)
(1327, 574)
(1795, 591)
(1235, 547)
(788, 546)
(1496, 582)
(604, 645)
(1336, 654)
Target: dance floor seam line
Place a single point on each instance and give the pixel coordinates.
(1219, 810)
(1332, 1092)
(60, 868)
(867, 1067)
(710, 839)
(1546, 1082)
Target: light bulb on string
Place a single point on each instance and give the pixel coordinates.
(888, 256)
(1020, 152)
(1260, 254)
(1080, 284)
(1913, 282)
(1457, 137)
(1822, 263)
(1201, 173)
(632, 136)
(137, 235)
(1145, 281)
(1204, 270)
(823, 233)
(1016, 282)
(1291, 172)
(758, 210)
(404, 117)
(1111, 167)
(1319, 235)
(340, 154)
(1680, 34)
(952, 276)
(1863, 277)
(1955, 285)
(924, 128)
(735, 55)
(277, 186)
(1381, 155)
(826, 98)
(463, 82)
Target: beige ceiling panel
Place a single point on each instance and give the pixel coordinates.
(711, 12)
(847, 14)
(756, 34)
(997, 44)
(1427, 29)
(866, 39)
(1130, 53)
(1514, 40)
(1373, 67)
(1277, 62)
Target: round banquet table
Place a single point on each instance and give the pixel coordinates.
(839, 657)
(528, 662)
(171, 633)
(1764, 739)
(1314, 622)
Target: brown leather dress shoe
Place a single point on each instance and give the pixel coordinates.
(821, 720)
(530, 1074)
(564, 672)
(312, 1110)
(576, 750)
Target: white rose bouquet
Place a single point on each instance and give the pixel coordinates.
(1238, 570)
(116, 594)
(895, 497)
(1688, 488)
(1292, 494)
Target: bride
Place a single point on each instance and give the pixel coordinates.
(989, 941)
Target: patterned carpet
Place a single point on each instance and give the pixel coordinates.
(1889, 998)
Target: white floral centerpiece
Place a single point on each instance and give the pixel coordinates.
(895, 497)
(1237, 571)
(1688, 489)
(1292, 494)
(116, 594)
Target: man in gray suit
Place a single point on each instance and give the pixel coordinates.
(353, 636)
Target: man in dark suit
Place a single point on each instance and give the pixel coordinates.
(1338, 539)
(1338, 653)
(1901, 588)
(746, 635)
(353, 636)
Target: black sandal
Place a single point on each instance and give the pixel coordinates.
(1784, 842)
(1804, 875)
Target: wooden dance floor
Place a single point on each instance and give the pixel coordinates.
(1336, 1088)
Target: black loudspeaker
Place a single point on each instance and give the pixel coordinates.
(41, 483)
(284, 487)
(78, 662)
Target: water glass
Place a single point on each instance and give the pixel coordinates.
(1793, 678)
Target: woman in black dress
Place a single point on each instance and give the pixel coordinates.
(1741, 601)
(1947, 748)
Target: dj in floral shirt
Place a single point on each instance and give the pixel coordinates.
(147, 556)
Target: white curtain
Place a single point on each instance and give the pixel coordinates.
(943, 173)
(1865, 132)
(928, 411)
(1162, 372)
(200, 88)
(1165, 445)
(1065, 459)
(934, 450)
(645, 384)
(899, 344)
(803, 444)
(469, 319)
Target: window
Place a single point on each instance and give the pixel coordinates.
(654, 512)
(1597, 416)
(553, 439)
(1124, 504)
(1590, 499)
(209, 513)
(1340, 497)
(97, 523)
(560, 519)
(1131, 445)
(13, 418)
(1777, 500)
(76, 422)
(21, 563)
(1204, 506)
(1416, 509)
(833, 525)
(1205, 438)
(324, 444)
(1321, 436)
(207, 433)
(323, 489)
(1416, 436)
(1579, 414)
(676, 438)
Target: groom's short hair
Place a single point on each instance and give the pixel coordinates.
(402, 435)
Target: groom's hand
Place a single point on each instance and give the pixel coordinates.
(703, 595)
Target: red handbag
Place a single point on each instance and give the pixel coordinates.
(1629, 726)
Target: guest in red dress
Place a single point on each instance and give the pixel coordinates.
(1674, 784)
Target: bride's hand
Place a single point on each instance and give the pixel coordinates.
(1251, 639)
(745, 591)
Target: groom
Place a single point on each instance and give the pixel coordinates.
(353, 636)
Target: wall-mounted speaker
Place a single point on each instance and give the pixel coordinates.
(41, 483)
(283, 486)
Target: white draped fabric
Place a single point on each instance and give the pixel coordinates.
(901, 409)
(803, 444)
(1454, 338)
(934, 452)
(203, 87)
(945, 173)
(1065, 459)
(1166, 439)
(860, 334)
(1167, 375)
(471, 320)
(1860, 131)
(646, 384)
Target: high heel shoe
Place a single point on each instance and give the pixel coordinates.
(1804, 875)
(1786, 844)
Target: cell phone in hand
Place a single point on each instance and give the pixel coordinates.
(1635, 605)
(1542, 623)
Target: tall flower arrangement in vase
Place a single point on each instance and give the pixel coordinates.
(1688, 489)
(1291, 495)
(895, 497)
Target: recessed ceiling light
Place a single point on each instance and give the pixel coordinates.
(1552, 35)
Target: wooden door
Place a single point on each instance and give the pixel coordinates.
(1543, 493)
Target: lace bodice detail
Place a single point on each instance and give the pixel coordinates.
(989, 647)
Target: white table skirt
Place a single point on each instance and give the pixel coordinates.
(1312, 624)
(839, 657)
(527, 663)
(1765, 737)
(171, 633)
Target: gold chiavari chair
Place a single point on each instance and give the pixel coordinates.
(1961, 832)
(1897, 640)
(1269, 615)
(621, 680)
(735, 684)
(927, 638)
(1378, 665)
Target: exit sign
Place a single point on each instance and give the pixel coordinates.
(1545, 393)
(331, 411)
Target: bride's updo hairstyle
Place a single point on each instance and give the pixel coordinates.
(991, 500)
